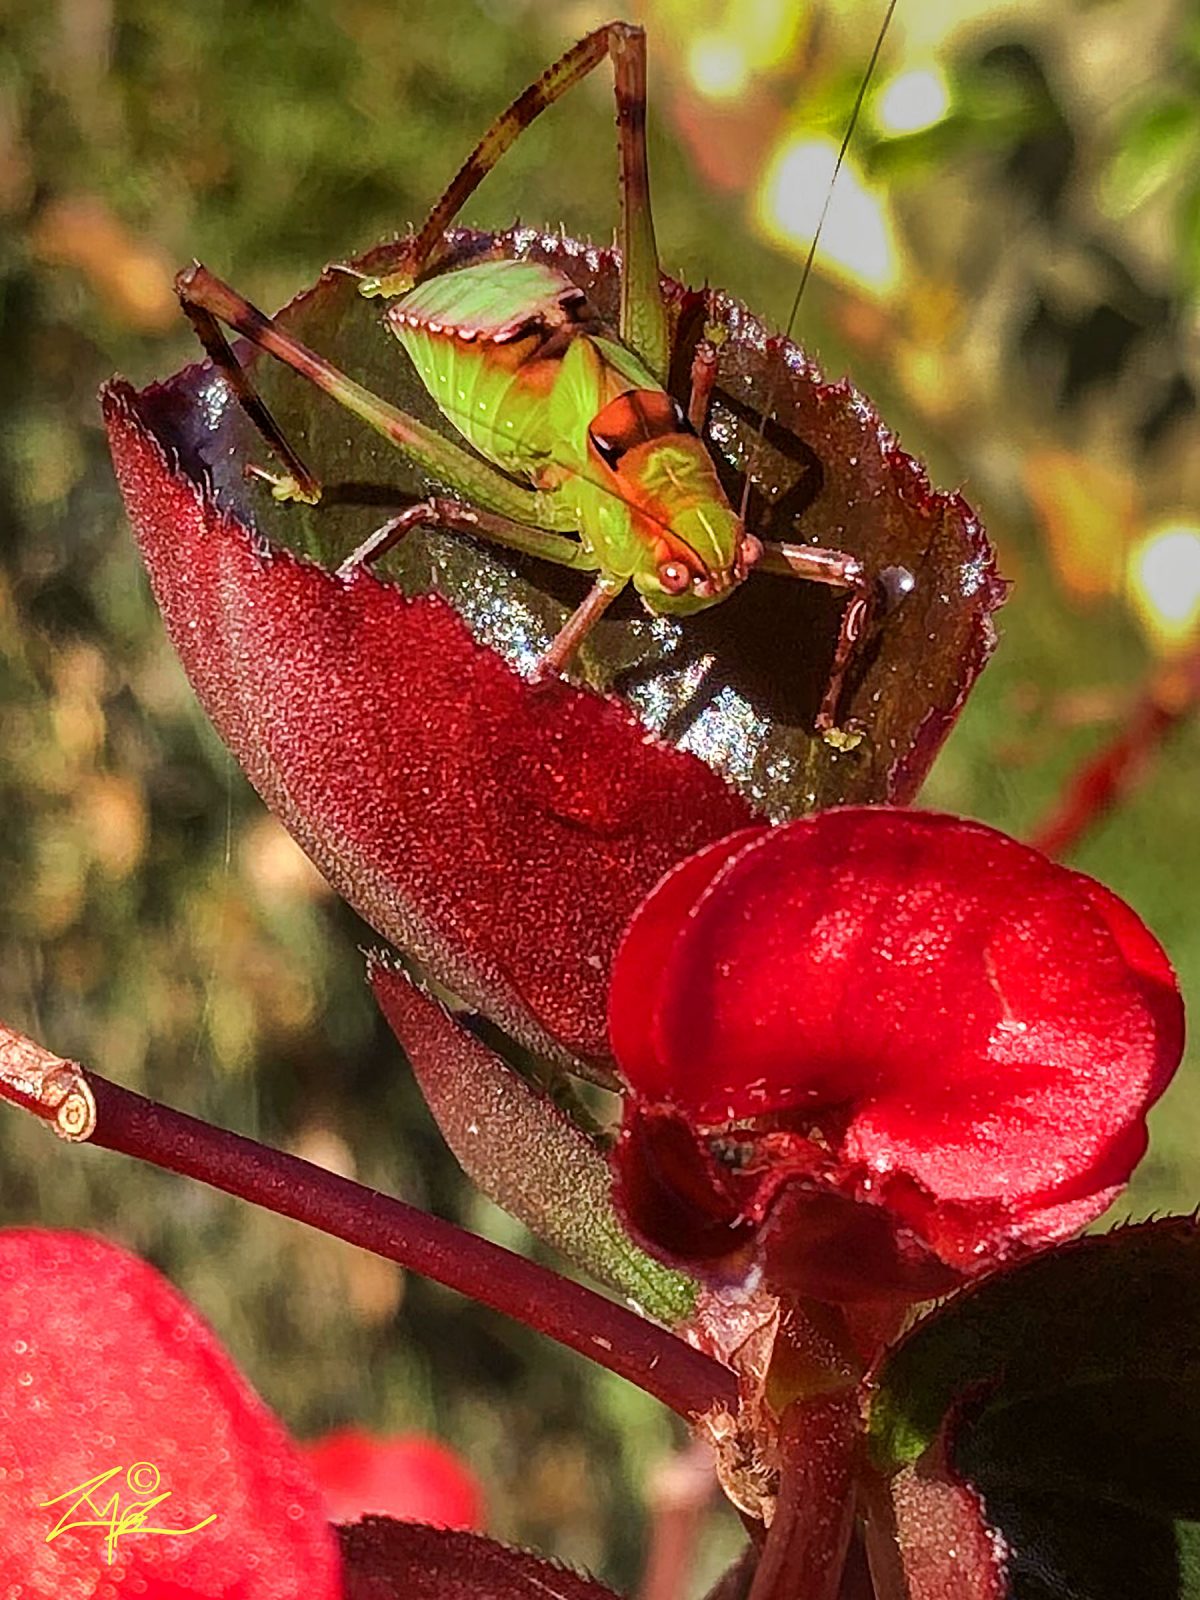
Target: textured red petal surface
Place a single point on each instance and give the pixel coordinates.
(403, 1561)
(502, 834)
(411, 1477)
(102, 1364)
(968, 1023)
(632, 995)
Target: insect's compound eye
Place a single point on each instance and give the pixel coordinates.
(674, 577)
(609, 450)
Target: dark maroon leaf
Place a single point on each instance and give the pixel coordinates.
(503, 834)
(1065, 1396)
(386, 1560)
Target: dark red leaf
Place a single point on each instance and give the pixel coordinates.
(502, 834)
(406, 1476)
(890, 1028)
(103, 1365)
(404, 1561)
(505, 834)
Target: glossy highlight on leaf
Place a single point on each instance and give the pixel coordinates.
(885, 1050)
(504, 834)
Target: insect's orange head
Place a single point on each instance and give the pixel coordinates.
(691, 546)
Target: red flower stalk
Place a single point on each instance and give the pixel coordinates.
(880, 1052)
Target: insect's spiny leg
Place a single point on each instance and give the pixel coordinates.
(837, 570)
(643, 314)
(425, 251)
(643, 319)
(577, 626)
(376, 545)
(440, 512)
(704, 376)
(815, 564)
(855, 619)
(220, 353)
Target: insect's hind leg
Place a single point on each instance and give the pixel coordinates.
(439, 512)
(453, 465)
(299, 483)
(643, 319)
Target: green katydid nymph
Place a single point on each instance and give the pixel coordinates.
(572, 450)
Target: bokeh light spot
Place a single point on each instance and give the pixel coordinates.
(857, 238)
(717, 65)
(913, 100)
(1164, 583)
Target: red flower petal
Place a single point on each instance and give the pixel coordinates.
(631, 997)
(976, 1033)
(410, 1477)
(103, 1365)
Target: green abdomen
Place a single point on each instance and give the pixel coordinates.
(477, 337)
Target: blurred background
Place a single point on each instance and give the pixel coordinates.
(1010, 268)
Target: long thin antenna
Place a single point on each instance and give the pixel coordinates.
(806, 273)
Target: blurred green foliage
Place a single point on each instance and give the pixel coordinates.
(158, 926)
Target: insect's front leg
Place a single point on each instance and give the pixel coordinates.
(868, 598)
(704, 375)
(578, 625)
(439, 512)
